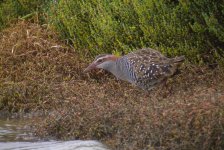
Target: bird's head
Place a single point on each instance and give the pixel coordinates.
(102, 61)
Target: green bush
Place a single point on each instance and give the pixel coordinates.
(25, 9)
(193, 28)
(5, 13)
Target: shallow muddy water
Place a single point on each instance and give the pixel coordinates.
(14, 130)
(15, 134)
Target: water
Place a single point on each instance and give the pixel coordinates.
(14, 130)
(53, 145)
(15, 134)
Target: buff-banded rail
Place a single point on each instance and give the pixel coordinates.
(145, 68)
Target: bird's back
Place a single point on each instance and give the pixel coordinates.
(149, 67)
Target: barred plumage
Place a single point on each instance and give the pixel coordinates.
(145, 67)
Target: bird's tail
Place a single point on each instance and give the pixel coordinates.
(178, 59)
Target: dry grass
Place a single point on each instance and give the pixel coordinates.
(40, 73)
(33, 62)
(123, 117)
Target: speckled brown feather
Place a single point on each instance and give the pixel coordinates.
(151, 67)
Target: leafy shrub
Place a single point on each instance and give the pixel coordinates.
(5, 13)
(26, 9)
(193, 28)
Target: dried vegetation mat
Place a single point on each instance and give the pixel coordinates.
(39, 72)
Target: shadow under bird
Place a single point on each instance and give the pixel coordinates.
(144, 68)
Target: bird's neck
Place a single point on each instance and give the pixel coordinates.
(117, 69)
(109, 66)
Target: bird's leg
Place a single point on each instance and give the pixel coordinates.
(147, 94)
(163, 89)
(164, 83)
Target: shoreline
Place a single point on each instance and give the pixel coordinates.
(42, 74)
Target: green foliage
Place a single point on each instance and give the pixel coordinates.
(25, 9)
(5, 13)
(185, 27)
(206, 23)
(193, 28)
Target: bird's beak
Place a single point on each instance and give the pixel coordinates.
(90, 67)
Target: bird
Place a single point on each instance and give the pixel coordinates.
(145, 68)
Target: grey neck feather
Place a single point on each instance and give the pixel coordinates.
(109, 66)
(116, 69)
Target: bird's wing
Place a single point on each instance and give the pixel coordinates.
(150, 66)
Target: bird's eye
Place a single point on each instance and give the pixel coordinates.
(100, 60)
